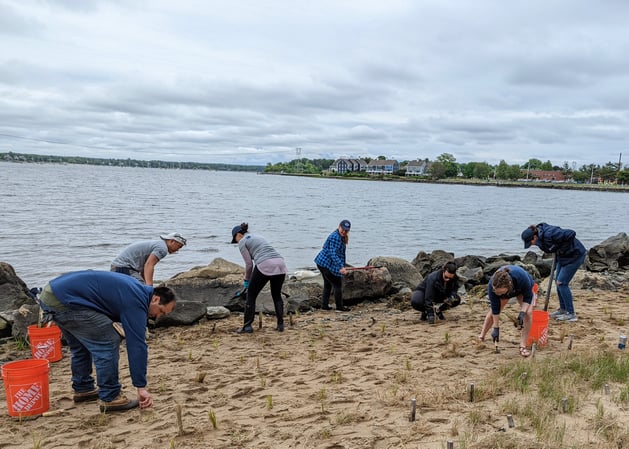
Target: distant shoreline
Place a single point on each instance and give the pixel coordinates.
(476, 182)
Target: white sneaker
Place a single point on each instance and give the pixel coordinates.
(556, 313)
(571, 317)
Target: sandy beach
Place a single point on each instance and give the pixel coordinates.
(345, 380)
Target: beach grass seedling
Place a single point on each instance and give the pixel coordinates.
(262, 381)
(172, 443)
(269, 402)
(38, 441)
(215, 343)
(447, 338)
(312, 355)
(408, 364)
(212, 417)
(21, 344)
(336, 377)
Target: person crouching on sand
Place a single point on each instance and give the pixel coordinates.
(510, 281)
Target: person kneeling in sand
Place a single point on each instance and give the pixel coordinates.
(510, 281)
(439, 287)
(84, 304)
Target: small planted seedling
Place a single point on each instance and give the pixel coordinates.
(447, 337)
(269, 402)
(215, 343)
(212, 417)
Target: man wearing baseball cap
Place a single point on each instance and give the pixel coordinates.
(139, 259)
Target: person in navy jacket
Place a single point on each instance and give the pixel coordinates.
(85, 304)
(569, 255)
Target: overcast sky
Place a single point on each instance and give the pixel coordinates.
(251, 81)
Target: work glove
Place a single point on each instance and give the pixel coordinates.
(245, 284)
(520, 323)
(495, 334)
(453, 300)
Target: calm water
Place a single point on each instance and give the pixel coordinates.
(58, 218)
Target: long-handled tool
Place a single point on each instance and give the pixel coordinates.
(367, 267)
(550, 282)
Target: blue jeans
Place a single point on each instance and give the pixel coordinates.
(91, 338)
(564, 274)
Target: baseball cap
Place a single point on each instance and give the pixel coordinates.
(345, 224)
(235, 230)
(174, 236)
(527, 236)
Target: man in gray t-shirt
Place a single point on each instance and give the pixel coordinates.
(139, 259)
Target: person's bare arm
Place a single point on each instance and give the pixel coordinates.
(149, 269)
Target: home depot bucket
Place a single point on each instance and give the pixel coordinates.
(45, 342)
(26, 386)
(539, 329)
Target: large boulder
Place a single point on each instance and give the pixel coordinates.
(185, 313)
(403, 273)
(610, 255)
(427, 263)
(360, 285)
(13, 291)
(215, 284)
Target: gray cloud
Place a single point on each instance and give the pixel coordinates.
(250, 82)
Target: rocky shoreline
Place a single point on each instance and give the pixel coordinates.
(210, 291)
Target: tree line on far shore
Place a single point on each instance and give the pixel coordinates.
(446, 166)
(37, 158)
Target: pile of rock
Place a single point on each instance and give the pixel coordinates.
(212, 291)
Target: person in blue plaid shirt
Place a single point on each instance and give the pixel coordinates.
(331, 263)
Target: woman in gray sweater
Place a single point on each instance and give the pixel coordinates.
(262, 264)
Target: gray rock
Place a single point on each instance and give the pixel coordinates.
(401, 271)
(185, 313)
(13, 290)
(217, 313)
(610, 255)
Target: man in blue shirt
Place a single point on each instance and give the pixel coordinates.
(84, 304)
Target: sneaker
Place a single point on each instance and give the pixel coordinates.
(85, 396)
(431, 319)
(119, 404)
(343, 309)
(571, 317)
(556, 313)
(326, 308)
(423, 316)
(440, 316)
(280, 328)
(245, 330)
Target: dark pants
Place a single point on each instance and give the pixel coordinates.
(256, 283)
(330, 280)
(418, 301)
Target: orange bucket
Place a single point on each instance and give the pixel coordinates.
(45, 342)
(26, 386)
(539, 329)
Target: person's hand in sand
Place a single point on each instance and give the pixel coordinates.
(144, 397)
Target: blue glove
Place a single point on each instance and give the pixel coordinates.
(521, 316)
(495, 334)
(246, 284)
